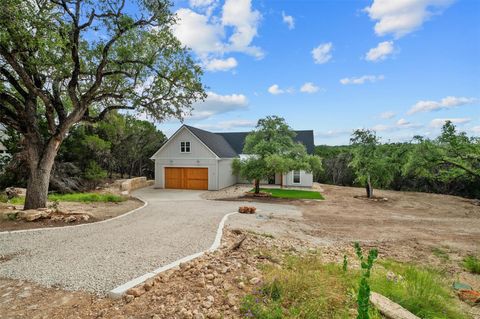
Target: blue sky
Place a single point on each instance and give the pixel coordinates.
(400, 67)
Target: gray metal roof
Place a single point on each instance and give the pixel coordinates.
(229, 145)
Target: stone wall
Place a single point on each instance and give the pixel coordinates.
(132, 184)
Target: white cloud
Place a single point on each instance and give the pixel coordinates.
(275, 89)
(322, 53)
(381, 128)
(206, 34)
(228, 125)
(217, 104)
(309, 87)
(362, 79)
(220, 64)
(380, 52)
(387, 115)
(441, 122)
(195, 31)
(403, 122)
(400, 17)
(475, 129)
(289, 20)
(239, 15)
(333, 133)
(445, 103)
(201, 3)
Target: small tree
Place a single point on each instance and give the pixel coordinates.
(370, 165)
(271, 150)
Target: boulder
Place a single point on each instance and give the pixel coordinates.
(70, 219)
(12, 192)
(136, 291)
(31, 215)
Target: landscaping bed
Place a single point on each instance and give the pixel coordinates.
(68, 209)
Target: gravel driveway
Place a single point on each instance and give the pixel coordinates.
(99, 257)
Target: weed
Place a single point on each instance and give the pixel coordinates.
(363, 297)
(423, 291)
(440, 253)
(472, 264)
(345, 263)
(302, 288)
(3, 198)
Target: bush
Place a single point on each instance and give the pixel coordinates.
(94, 173)
(472, 264)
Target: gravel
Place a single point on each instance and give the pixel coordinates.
(99, 257)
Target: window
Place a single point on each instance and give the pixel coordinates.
(185, 147)
(296, 177)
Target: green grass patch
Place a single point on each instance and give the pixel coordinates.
(308, 288)
(292, 193)
(423, 291)
(76, 197)
(472, 264)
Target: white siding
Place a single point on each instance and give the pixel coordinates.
(172, 148)
(225, 174)
(306, 179)
(200, 156)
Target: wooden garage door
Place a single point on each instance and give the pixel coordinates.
(186, 178)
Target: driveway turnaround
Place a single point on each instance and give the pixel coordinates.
(101, 256)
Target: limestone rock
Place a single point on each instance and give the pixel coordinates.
(136, 291)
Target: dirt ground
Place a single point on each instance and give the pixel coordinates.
(432, 220)
(98, 211)
(429, 229)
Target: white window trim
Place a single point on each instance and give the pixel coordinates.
(299, 177)
(189, 147)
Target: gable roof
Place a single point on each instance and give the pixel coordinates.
(215, 142)
(237, 140)
(230, 145)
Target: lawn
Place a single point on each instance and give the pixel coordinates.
(76, 197)
(292, 193)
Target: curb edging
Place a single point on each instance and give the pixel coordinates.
(119, 291)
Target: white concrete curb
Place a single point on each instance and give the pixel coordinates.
(145, 204)
(120, 290)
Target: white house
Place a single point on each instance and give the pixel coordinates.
(197, 159)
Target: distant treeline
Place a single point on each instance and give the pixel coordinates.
(119, 147)
(449, 164)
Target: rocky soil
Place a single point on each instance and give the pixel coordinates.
(208, 287)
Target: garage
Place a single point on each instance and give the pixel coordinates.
(186, 178)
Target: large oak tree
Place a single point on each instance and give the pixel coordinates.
(68, 61)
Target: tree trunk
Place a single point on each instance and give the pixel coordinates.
(369, 187)
(257, 186)
(41, 158)
(37, 189)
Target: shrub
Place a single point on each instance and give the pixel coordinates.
(94, 173)
(472, 264)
